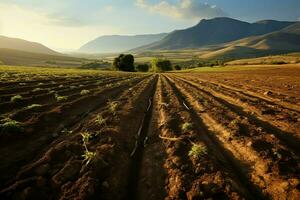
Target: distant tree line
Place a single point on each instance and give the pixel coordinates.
(125, 62)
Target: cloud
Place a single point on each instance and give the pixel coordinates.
(184, 9)
(65, 20)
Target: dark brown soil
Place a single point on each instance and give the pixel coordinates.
(229, 135)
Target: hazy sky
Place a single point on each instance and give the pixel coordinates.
(68, 24)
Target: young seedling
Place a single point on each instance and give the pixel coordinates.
(36, 90)
(33, 106)
(16, 98)
(112, 106)
(88, 156)
(100, 120)
(61, 98)
(11, 126)
(73, 87)
(197, 151)
(84, 92)
(86, 136)
(186, 126)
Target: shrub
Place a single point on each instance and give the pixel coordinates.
(124, 63)
(186, 126)
(197, 151)
(159, 65)
(16, 98)
(142, 68)
(84, 92)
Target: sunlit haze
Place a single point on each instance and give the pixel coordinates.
(66, 25)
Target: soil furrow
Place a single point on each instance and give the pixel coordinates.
(268, 161)
(66, 116)
(289, 139)
(225, 157)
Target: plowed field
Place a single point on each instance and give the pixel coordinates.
(231, 135)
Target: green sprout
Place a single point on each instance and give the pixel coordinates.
(16, 98)
(100, 120)
(36, 90)
(86, 136)
(11, 126)
(186, 126)
(60, 98)
(88, 156)
(84, 92)
(112, 106)
(33, 106)
(198, 150)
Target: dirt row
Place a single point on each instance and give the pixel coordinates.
(45, 127)
(281, 120)
(269, 159)
(51, 98)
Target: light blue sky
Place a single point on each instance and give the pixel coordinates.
(67, 24)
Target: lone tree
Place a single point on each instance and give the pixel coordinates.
(159, 65)
(142, 68)
(124, 63)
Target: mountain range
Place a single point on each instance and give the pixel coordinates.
(213, 31)
(282, 41)
(119, 43)
(214, 38)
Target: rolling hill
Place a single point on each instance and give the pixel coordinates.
(24, 45)
(16, 57)
(119, 43)
(282, 41)
(213, 31)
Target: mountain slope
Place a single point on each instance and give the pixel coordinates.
(17, 57)
(119, 43)
(23, 45)
(213, 31)
(282, 41)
